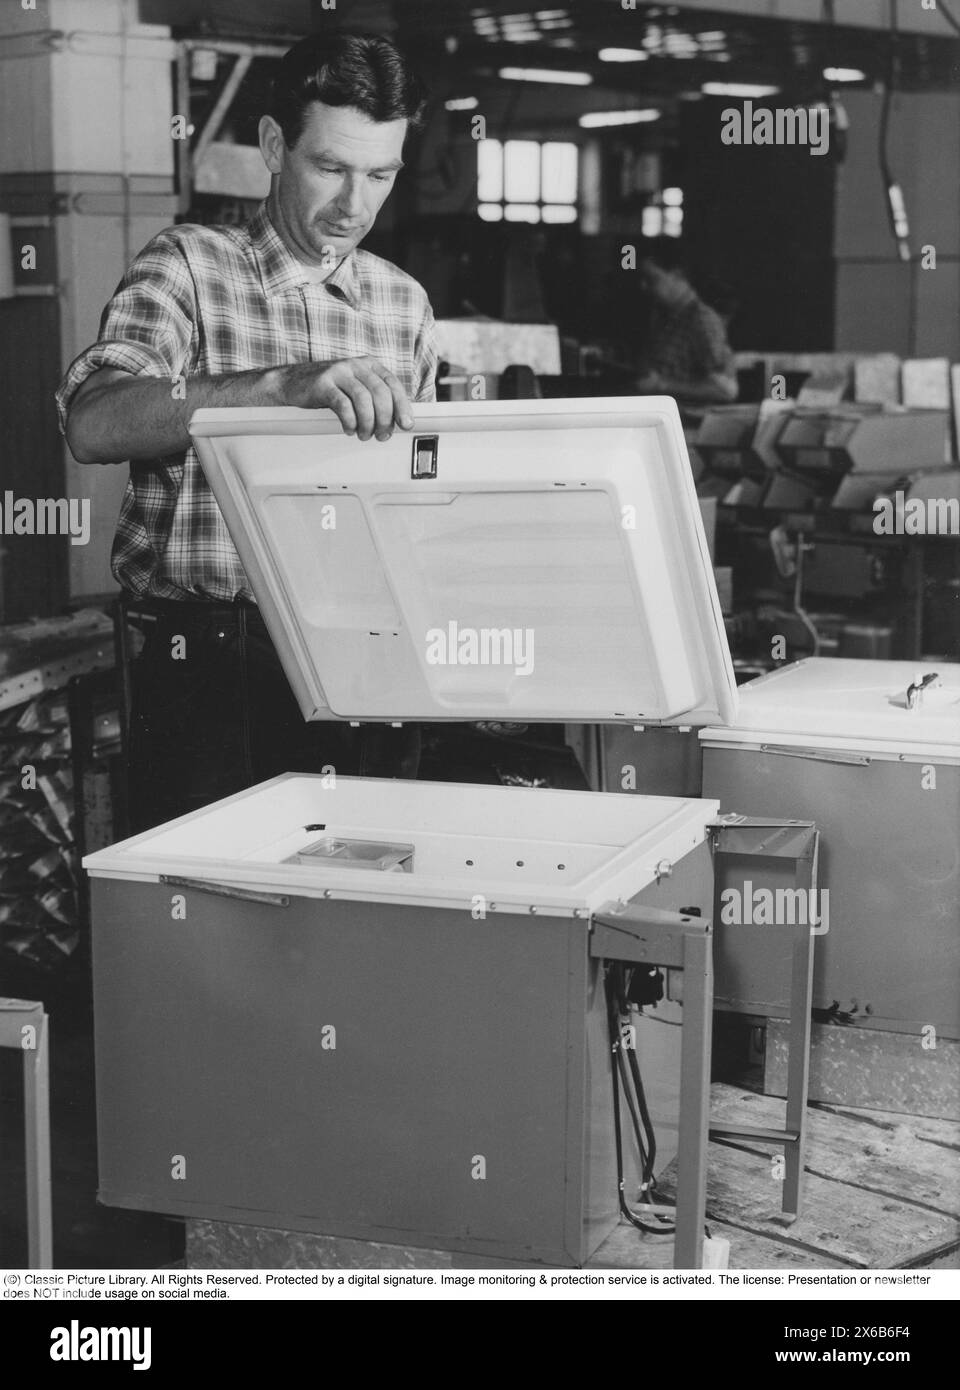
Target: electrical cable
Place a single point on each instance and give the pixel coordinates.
(616, 987)
(620, 987)
(648, 1176)
(613, 1021)
(798, 607)
(612, 975)
(631, 1106)
(896, 207)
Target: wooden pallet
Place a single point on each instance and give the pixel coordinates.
(882, 1191)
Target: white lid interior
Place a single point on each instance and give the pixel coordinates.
(554, 569)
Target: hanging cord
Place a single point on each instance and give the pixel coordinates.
(623, 1010)
(798, 607)
(896, 206)
(614, 993)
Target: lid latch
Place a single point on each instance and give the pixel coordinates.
(915, 691)
(425, 448)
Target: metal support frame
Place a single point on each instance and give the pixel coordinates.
(181, 149)
(676, 941)
(221, 106)
(244, 54)
(759, 837)
(15, 1016)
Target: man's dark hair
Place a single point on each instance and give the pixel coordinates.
(364, 71)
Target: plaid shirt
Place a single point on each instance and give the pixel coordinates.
(211, 300)
(688, 343)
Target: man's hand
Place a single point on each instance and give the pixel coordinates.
(650, 384)
(717, 389)
(116, 416)
(366, 398)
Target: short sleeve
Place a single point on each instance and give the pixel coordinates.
(425, 363)
(147, 328)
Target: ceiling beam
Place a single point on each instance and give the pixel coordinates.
(858, 14)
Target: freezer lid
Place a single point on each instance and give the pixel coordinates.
(860, 705)
(475, 849)
(524, 560)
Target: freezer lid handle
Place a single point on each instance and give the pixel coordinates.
(226, 890)
(916, 689)
(818, 755)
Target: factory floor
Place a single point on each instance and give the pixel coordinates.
(882, 1190)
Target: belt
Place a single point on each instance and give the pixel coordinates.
(153, 614)
(187, 608)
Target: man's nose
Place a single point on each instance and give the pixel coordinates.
(350, 200)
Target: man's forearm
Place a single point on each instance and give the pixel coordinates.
(116, 417)
(714, 390)
(126, 417)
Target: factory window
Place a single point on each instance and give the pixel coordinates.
(663, 214)
(527, 181)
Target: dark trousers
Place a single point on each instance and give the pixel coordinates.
(212, 713)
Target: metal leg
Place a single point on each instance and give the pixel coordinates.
(801, 1023)
(36, 1091)
(694, 1100)
(678, 941)
(799, 841)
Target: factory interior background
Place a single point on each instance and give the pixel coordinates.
(563, 147)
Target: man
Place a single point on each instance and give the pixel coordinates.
(284, 311)
(687, 354)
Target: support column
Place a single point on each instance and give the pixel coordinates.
(87, 173)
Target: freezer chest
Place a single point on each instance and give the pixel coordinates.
(870, 750)
(370, 1008)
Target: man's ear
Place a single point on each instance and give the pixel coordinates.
(272, 144)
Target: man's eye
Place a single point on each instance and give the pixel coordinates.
(328, 169)
(381, 178)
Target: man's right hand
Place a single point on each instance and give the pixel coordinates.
(365, 396)
(116, 416)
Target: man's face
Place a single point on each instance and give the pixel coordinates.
(330, 186)
(665, 286)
